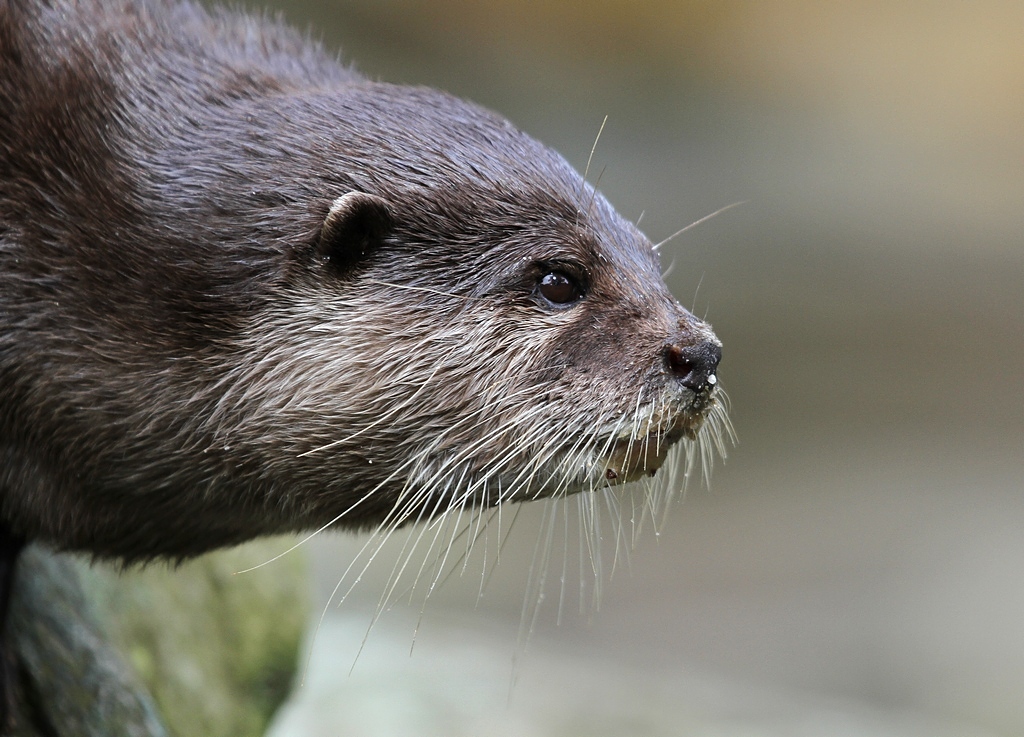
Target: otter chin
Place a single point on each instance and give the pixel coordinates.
(244, 291)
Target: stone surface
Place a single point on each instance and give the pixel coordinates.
(72, 681)
(187, 650)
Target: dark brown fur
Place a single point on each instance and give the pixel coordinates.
(165, 175)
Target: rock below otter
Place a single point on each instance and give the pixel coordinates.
(152, 652)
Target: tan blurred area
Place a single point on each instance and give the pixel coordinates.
(949, 67)
(857, 566)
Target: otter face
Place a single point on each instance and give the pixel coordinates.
(638, 368)
(473, 324)
(619, 371)
(488, 345)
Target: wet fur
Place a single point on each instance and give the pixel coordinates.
(184, 366)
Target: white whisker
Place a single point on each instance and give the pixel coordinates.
(695, 223)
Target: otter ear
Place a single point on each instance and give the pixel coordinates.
(354, 227)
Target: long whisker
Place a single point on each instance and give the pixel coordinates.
(695, 223)
(590, 158)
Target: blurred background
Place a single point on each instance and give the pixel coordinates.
(857, 566)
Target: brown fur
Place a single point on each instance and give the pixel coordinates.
(190, 357)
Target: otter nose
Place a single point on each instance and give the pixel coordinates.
(694, 365)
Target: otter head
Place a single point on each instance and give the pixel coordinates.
(472, 324)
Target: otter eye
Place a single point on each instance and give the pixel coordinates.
(559, 289)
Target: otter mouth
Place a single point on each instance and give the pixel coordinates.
(628, 449)
(640, 451)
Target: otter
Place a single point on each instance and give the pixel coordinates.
(245, 290)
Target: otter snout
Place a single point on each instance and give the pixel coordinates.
(694, 364)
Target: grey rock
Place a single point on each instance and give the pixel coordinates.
(157, 651)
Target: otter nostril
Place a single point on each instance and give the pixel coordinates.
(694, 365)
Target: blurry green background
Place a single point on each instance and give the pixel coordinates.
(858, 564)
